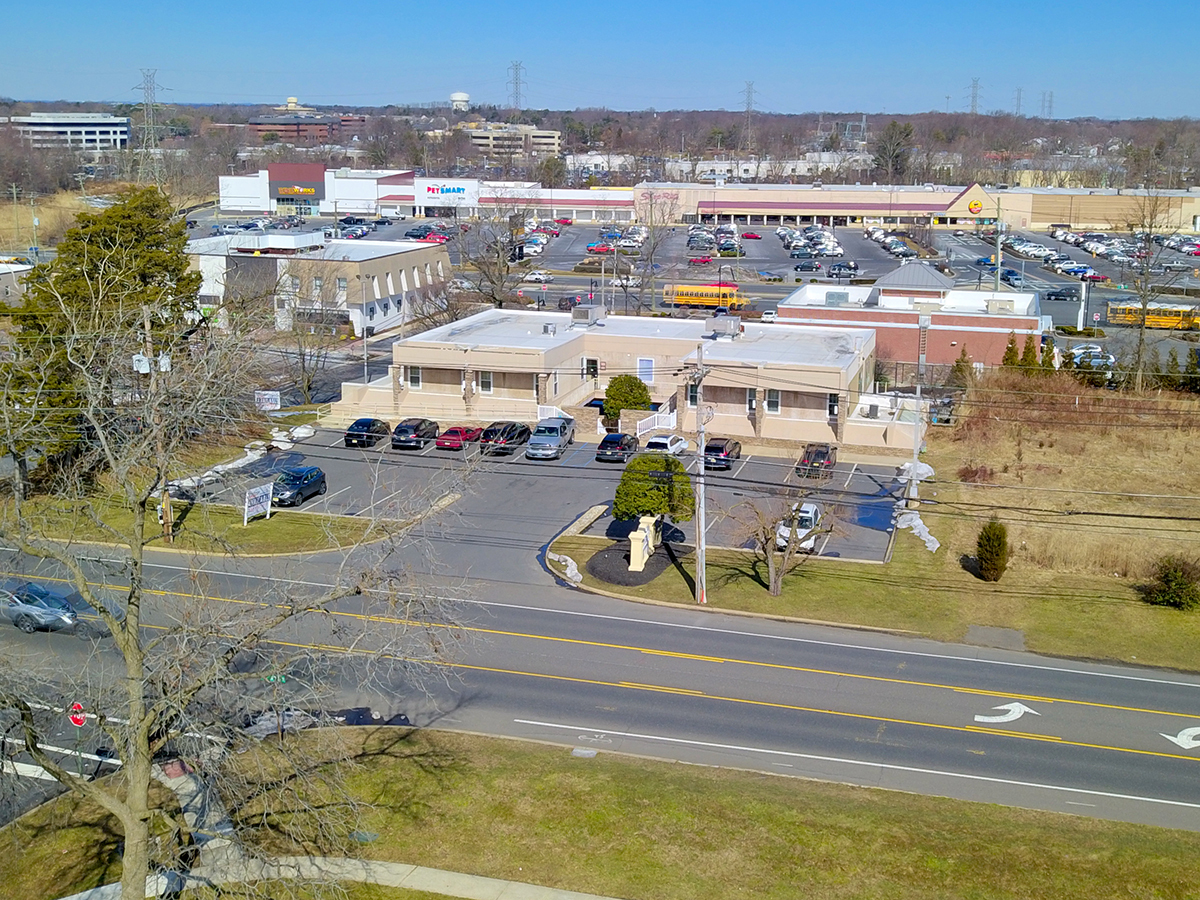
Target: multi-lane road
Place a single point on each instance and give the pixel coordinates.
(545, 661)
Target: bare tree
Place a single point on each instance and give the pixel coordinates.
(491, 251)
(170, 677)
(658, 210)
(761, 523)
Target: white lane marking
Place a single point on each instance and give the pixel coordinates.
(336, 443)
(742, 466)
(853, 469)
(429, 445)
(66, 752)
(709, 629)
(26, 770)
(329, 497)
(892, 767)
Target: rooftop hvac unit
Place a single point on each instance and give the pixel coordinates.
(723, 326)
(586, 315)
(549, 328)
(873, 411)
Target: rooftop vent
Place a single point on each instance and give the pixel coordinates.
(549, 328)
(724, 327)
(587, 315)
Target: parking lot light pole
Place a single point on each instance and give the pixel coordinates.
(701, 525)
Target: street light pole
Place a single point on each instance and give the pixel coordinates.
(701, 525)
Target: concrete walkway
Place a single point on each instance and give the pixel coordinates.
(325, 869)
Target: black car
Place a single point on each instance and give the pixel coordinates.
(414, 434)
(616, 448)
(843, 269)
(419, 232)
(1066, 294)
(818, 461)
(352, 220)
(367, 432)
(383, 220)
(297, 484)
(719, 453)
(801, 253)
(808, 265)
(503, 437)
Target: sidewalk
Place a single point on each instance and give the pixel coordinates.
(413, 878)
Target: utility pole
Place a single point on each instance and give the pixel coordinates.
(947, 104)
(999, 247)
(514, 83)
(701, 525)
(912, 477)
(16, 216)
(155, 366)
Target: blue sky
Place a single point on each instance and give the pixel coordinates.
(1101, 58)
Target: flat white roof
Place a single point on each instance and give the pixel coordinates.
(759, 344)
(348, 251)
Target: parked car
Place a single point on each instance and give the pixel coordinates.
(550, 438)
(700, 261)
(751, 236)
(366, 432)
(806, 518)
(414, 433)
(843, 269)
(295, 485)
(1064, 294)
(33, 607)
(817, 461)
(457, 437)
(599, 248)
(616, 448)
(503, 437)
(671, 444)
(538, 276)
(807, 265)
(719, 453)
(769, 316)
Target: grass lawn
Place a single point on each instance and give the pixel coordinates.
(645, 830)
(208, 528)
(931, 594)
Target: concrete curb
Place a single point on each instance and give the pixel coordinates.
(363, 871)
(719, 610)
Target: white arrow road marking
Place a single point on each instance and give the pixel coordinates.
(1015, 711)
(1188, 739)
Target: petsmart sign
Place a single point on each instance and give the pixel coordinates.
(445, 192)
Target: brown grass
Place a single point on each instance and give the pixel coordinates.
(55, 215)
(1088, 480)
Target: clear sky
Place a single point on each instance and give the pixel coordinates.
(1100, 58)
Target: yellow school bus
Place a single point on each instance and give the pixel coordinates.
(703, 296)
(1158, 315)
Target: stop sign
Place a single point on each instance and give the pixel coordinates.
(76, 715)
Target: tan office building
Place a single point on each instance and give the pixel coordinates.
(775, 385)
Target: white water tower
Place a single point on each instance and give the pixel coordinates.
(460, 102)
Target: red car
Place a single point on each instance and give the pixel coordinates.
(599, 248)
(457, 437)
(562, 221)
(700, 261)
(1094, 276)
(547, 229)
(751, 236)
(434, 238)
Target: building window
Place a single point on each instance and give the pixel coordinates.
(341, 286)
(318, 287)
(645, 370)
(386, 307)
(589, 368)
(692, 395)
(556, 382)
(414, 378)
(441, 273)
(772, 401)
(833, 406)
(371, 311)
(416, 278)
(485, 382)
(751, 398)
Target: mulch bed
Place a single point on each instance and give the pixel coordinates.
(611, 565)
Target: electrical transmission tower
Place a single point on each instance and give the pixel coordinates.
(747, 134)
(148, 168)
(974, 96)
(1050, 104)
(514, 83)
(1017, 105)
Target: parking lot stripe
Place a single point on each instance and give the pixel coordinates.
(427, 448)
(329, 497)
(339, 441)
(742, 466)
(853, 469)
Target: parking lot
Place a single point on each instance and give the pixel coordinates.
(518, 503)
